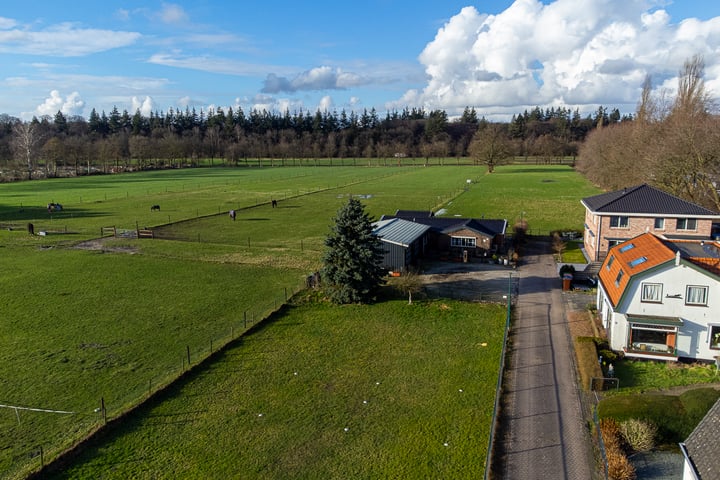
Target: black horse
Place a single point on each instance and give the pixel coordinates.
(155, 207)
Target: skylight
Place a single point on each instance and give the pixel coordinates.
(637, 261)
(627, 247)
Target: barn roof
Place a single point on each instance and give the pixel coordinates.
(398, 231)
(490, 227)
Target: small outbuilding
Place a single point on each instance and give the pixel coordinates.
(403, 242)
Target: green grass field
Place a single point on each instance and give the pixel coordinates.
(380, 391)
(81, 326)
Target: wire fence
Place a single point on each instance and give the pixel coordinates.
(79, 426)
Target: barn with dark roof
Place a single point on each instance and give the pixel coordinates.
(457, 237)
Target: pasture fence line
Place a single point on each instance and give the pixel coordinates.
(162, 231)
(111, 230)
(112, 410)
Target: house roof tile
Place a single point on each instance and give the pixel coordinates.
(647, 251)
(623, 259)
(644, 199)
(702, 446)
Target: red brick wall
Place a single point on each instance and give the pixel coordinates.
(636, 226)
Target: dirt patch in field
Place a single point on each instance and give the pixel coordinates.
(105, 245)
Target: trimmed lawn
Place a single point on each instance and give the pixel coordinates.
(378, 391)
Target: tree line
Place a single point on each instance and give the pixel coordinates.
(72, 145)
(673, 143)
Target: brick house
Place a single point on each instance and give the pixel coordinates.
(614, 217)
(659, 299)
(454, 236)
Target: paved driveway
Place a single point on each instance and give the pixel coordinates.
(545, 434)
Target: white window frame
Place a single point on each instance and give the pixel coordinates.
(689, 300)
(659, 224)
(651, 292)
(463, 242)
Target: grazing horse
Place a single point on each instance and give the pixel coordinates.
(232, 214)
(274, 203)
(155, 207)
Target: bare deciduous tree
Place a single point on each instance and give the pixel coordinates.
(25, 141)
(490, 145)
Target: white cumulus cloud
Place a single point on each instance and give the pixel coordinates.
(70, 105)
(577, 53)
(326, 104)
(145, 105)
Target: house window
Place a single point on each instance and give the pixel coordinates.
(619, 277)
(696, 295)
(610, 262)
(715, 337)
(613, 243)
(619, 222)
(687, 223)
(659, 224)
(462, 241)
(652, 338)
(651, 292)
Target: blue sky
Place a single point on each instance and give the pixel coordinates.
(498, 56)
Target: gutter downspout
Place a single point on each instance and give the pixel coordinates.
(599, 239)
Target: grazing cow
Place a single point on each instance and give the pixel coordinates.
(232, 214)
(274, 203)
(155, 207)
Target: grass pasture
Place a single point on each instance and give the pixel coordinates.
(79, 325)
(413, 385)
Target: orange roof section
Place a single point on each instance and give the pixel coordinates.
(631, 258)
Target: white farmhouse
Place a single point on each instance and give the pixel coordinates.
(660, 299)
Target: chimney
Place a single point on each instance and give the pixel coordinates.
(677, 258)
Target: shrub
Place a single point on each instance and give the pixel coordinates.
(619, 467)
(567, 269)
(639, 434)
(610, 431)
(608, 355)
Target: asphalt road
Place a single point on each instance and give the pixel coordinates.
(545, 434)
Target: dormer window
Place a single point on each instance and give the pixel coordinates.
(610, 262)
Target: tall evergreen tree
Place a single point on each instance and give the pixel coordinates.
(352, 271)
